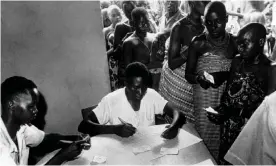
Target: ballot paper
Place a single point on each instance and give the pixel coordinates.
(209, 77)
(206, 162)
(211, 110)
(98, 159)
(169, 151)
(141, 149)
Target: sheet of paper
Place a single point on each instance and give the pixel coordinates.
(209, 77)
(99, 159)
(169, 151)
(152, 136)
(205, 162)
(141, 149)
(211, 110)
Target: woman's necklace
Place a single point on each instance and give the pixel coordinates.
(219, 44)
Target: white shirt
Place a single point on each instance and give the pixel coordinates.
(27, 136)
(273, 22)
(168, 23)
(115, 105)
(256, 144)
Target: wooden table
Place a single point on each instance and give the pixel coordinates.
(119, 150)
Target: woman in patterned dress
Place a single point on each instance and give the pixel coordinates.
(173, 86)
(248, 84)
(210, 55)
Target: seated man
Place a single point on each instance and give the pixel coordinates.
(127, 108)
(19, 97)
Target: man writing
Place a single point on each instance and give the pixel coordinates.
(128, 108)
(19, 97)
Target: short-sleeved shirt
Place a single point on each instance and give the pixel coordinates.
(27, 136)
(256, 144)
(115, 105)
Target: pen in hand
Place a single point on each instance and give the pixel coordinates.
(125, 123)
(122, 121)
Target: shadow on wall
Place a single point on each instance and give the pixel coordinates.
(42, 108)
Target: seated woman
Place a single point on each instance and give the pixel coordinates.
(252, 77)
(19, 97)
(128, 108)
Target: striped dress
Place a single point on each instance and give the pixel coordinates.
(210, 62)
(174, 88)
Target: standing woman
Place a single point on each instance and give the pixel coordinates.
(115, 16)
(252, 77)
(212, 52)
(173, 86)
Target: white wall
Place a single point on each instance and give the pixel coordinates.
(60, 46)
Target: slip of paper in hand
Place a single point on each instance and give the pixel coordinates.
(171, 151)
(141, 149)
(209, 77)
(211, 110)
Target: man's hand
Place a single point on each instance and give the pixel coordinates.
(72, 151)
(125, 130)
(170, 133)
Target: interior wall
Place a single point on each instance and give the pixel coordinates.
(60, 46)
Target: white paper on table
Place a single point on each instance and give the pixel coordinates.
(152, 136)
(169, 151)
(205, 162)
(141, 149)
(99, 159)
(209, 77)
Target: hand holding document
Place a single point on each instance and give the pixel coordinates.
(211, 110)
(209, 77)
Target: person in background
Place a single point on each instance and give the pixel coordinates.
(209, 60)
(105, 19)
(130, 107)
(115, 16)
(19, 97)
(145, 4)
(256, 143)
(104, 4)
(158, 50)
(172, 15)
(122, 31)
(137, 47)
(252, 77)
(173, 85)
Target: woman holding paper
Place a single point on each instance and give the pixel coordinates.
(252, 77)
(208, 63)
